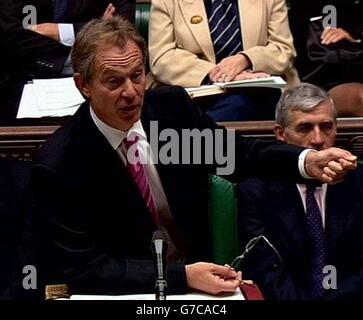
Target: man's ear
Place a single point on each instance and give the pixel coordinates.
(82, 84)
(279, 132)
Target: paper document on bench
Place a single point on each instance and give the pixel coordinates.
(221, 87)
(269, 82)
(49, 98)
(238, 295)
(205, 90)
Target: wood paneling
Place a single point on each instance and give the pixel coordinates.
(23, 142)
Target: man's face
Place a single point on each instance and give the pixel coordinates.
(116, 90)
(316, 129)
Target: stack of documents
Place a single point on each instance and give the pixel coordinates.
(220, 87)
(49, 98)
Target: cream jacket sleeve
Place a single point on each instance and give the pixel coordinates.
(274, 53)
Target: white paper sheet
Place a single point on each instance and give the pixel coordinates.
(49, 98)
(238, 295)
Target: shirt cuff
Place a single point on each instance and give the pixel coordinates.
(301, 163)
(66, 34)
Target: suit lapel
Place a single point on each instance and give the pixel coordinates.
(163, 121)
(341, 205)
(200, 31)
(251, 14)
(112, 172)
(287, 203)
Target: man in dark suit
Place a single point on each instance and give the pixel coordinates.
(43, 49)
(340, 68)
(93, 210)
(283, 213)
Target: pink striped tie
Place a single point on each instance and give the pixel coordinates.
(138, 173)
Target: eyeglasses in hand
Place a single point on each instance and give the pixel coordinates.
(249, 246)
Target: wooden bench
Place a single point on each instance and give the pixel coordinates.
(23, 142)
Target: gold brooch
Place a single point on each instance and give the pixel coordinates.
(196, 19)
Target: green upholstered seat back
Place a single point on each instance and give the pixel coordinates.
(142, 18)
(223, 216)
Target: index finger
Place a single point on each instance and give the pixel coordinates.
(325, 32)
(213, 72)
(347, 164)
(223, 271)
(229, 285)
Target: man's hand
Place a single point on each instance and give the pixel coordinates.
(248, 75)
(212, 278)
(109, 13)
(49, 30)
(330, 165)
(228, 68)
(334, 35)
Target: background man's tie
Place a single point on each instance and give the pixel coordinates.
(225, 28)
(316, 232)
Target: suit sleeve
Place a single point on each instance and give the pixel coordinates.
(169, 63)
(262, 264)
(28, 47)
(279, 53)
(64, 248)
(240, 157)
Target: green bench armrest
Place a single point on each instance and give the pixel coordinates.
(223, 218)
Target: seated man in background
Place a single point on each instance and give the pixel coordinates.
(42, 50)
(198, 42)
(93, 208)
(337, 63)
(311, 226)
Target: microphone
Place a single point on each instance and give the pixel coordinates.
(159, 247)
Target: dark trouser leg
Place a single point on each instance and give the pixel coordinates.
(234, 107)
(247, 104)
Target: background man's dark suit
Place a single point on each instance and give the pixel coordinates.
(27, 55)
(96, 226)
(276, 211)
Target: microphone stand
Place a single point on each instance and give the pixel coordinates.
(159, 247)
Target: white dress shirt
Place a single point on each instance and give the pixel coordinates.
(115, 138)
(67, 38)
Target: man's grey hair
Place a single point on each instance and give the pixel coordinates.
(97, 33)
(304, 97)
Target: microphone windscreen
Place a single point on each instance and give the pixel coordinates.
(158, 235)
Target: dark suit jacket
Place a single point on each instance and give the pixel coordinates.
(276, 210)
(14, 176)
(27, 55)
(88, 224)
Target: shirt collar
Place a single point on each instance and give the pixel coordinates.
(115, 136)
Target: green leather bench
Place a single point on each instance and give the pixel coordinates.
(142, 18)
(223, 217)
